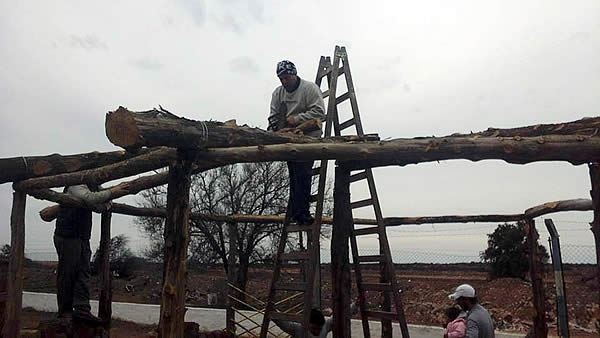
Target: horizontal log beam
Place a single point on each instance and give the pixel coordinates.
(587, 126)
(393, 221)
(24, 167)
(153, 160)
(581, 204)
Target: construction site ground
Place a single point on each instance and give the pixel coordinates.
(425, 292)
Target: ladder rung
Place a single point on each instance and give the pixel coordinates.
(366, 231)
(289, 317)
(347, 124)
(342, 98)
(382, 315)
(359, 176)
(377, 286)
(295, 256)
(296, 228)
(325, 94)
(316, 171)
(289, 286)
(313, 198)
(362, 203)
(341, 70)
(370, 258)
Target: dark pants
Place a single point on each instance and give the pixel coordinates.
(300, 182)
(73, 274)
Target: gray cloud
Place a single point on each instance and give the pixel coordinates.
(88, 42)
(146, 64)
(244, 64)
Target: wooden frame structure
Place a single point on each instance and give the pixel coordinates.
(575, 142)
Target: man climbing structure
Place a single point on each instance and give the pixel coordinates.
(295, 104)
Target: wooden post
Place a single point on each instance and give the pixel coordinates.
(536, 270)
(231, 276)
(172, 306)
(12, 312)
(340, 261)
(105, 303)
(595, 225)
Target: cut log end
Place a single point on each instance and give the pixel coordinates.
(121, 128)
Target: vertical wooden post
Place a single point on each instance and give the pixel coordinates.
(172, 306)
(14, 301)
(340, 261)
(595, 225)
(540, 328)
(105, 302)
(231, 276)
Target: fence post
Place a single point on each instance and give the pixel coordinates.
(561, 291)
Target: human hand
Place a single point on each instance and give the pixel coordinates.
(291, 121)
(120, 189)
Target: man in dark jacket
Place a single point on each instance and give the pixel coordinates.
(72, 242)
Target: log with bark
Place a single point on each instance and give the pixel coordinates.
(586, 126)
(23, 167)
(158, 127)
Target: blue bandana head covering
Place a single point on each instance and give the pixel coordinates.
(286, 67)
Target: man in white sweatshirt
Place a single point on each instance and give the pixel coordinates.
(294, 102)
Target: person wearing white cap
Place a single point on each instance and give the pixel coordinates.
(479, 321)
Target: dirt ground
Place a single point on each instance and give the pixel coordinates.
(425, 291)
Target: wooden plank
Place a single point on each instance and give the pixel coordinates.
(383, 315)
(594, 170)
(347, 124)
(12, 310)
(316, 171)
(325, 93)
(342, 98)
(361, 203)
(366, 231)
(358, 176)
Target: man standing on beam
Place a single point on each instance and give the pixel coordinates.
(295, 103)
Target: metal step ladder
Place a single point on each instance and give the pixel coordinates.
(311, 256)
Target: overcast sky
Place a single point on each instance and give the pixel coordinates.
(420, 68)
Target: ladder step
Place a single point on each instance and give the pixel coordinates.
(341, 70)
(362, 203)
(358, 176)
(316, 171)
(313, 198)
(366, 231)
(288, 317)
(342, 98)
(288, 286)
(297, 228)
(347, 124)
(370, 258)
(325, 94)
(295, 256)
(382, 315)
(377, 286)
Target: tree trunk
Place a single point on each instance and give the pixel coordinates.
(172, 309)
(580, 204)
(587, 126)
(159, 128)
(105, 300)
(12, 310)
(231, 274)
(23, 167)
(594, 169)
(536, 270)
(340, 257)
